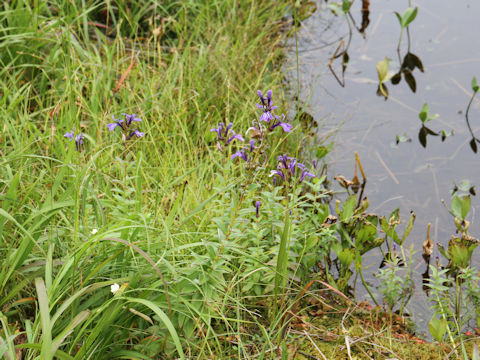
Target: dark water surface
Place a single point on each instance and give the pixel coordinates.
(445, 36)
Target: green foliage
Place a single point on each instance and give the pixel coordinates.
(407, 17)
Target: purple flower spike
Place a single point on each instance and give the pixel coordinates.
(252, 145)
(266, 106)
(257, 207)
(79, 141)
(240, 153)
(314, 163)
(78, 138)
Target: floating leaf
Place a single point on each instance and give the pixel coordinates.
(422, 136)
(412, 61)
(396, 78)
(473, 145)
(410, 79)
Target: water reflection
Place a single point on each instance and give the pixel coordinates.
(409, 176)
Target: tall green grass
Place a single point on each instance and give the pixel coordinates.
(72, 224)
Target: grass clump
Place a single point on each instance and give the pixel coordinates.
(136, 213)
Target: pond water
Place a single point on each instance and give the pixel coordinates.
(444, 36)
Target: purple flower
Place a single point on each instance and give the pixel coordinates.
(276, 173)
(223, 136)
(252, 145)
(266, 106)
(125, 126)
(235, 136)
(79, 141)
(240, 153)
(70, 134)
(284, 125)
(314, 163)
(137, 133)
(130, 118)
(306, 173)
(116, 123)
(287, 169)
(257, 207)
(78, 138)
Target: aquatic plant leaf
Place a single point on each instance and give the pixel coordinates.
(443, 251)
(475, 86)
(348, 209)
(409, 227)
(399, 17)
(408, 16)
(473, 145)
(346, 5)
(335, 8)
(410, 79)
(382, 90)
(422, 136)
(382, 69)
(396, 78)
(459, 254)
(412, 61)
(437, 328)
(424, 113)
(461, 206)
(365, 15)
(389, 230)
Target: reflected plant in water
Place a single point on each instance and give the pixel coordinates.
(475, 140)
(426, 117)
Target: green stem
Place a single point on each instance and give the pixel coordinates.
(366, 287)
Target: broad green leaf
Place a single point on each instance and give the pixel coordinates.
(456, 206)
(408, 16)
(437, 328)
(348, 208)
(466, 203)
